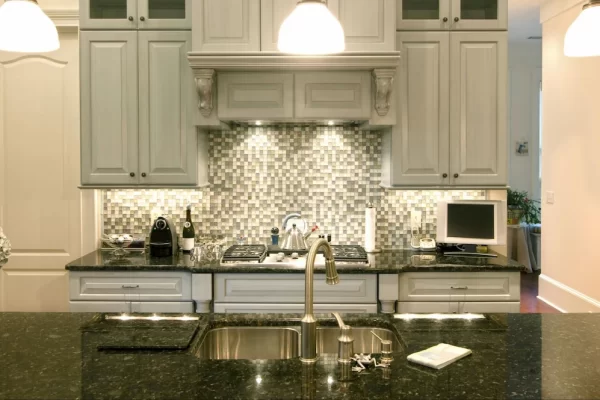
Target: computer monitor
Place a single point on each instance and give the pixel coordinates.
(476, 222)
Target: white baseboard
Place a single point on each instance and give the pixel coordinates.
(565, 298)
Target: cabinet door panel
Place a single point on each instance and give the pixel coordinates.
(368, 24)
(165, 14)
(478, 87)
(256, 95)
(168, 138)
(423, 15)
(333, 95)
(108, 14)
(226, 25)
(272, 15)
(486, 15)
(421, 140)
(109, 115)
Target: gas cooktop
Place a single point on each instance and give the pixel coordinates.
(249, 254)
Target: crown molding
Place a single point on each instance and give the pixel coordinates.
(64, 20)
(552, 8)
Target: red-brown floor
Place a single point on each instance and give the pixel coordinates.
(529, 291)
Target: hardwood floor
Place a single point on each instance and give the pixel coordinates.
(529, 291)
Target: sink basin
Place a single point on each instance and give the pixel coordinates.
(364, 341)
(250, 343)
(283, 343)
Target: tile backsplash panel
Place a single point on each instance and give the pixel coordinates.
(259, 175)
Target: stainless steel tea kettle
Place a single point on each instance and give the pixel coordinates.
(295, 239)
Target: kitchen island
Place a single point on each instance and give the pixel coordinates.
(515, 356)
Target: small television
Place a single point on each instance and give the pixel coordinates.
(478, 222)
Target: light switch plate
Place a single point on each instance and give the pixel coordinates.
(549, 197)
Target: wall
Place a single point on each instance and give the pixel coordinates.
(571, 169)
(525, 71)
(259, 175)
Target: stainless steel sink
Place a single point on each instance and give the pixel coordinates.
(364, 341)
(283, 343)
(250, 343)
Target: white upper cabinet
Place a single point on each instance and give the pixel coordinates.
(452, 111)
(478, 125)
(168, 147)
(429, 15)
(457, 15)
(272, 15)
(421, 137)
(226, 25)
(109, 115)
(485, 15)
(108, 14)
(135, 14)
(368, 24)
(164, 14)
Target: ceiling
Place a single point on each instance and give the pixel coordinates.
(523, 19)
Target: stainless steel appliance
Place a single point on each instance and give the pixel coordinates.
(163, 238)
(253, 255)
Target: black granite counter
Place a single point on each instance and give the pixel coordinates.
(515, 356)
(386, 262)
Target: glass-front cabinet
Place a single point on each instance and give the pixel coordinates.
(460, 15)
(136, 14)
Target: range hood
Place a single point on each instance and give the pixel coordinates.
(350, 87)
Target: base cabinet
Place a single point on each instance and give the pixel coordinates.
(140, 292)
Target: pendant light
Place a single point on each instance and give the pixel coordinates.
(25, 28)
(583, 36)
(311, 29)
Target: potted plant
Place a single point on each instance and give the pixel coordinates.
(521, 207)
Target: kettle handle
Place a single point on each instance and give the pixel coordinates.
(287, 218)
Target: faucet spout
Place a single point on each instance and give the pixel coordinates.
(309, 322)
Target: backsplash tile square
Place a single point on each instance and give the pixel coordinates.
(259, 175)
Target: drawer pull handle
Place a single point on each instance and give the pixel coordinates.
(459, 287)
(131, 286)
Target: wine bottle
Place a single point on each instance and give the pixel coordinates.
(189, 234)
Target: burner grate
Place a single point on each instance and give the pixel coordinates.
(349, 253)
(247, 252)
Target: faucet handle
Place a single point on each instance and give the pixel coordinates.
(345, 341)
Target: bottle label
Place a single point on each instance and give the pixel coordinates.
(188, 244)
(187, 224)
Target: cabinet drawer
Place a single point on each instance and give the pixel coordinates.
(256, 95)
(241, 308)
(286, 288)
(333, 95)
(459, 286)
(159, 286)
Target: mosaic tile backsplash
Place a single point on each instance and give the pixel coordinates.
(259, 175)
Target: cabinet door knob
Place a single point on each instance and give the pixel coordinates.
(445, 19)
(456, 175)
(444, 175)
(130, 18)
(132, 174)
(142, 19)
(456, 19)
(143, 174)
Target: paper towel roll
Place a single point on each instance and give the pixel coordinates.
(370, 229)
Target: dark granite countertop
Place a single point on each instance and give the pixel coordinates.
(515, 356)
(386, 262)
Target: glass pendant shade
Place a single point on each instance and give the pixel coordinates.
(25, 28)
(583, 36)
(311, 29)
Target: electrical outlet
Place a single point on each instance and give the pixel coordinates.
(549, 197)
(415, 220)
